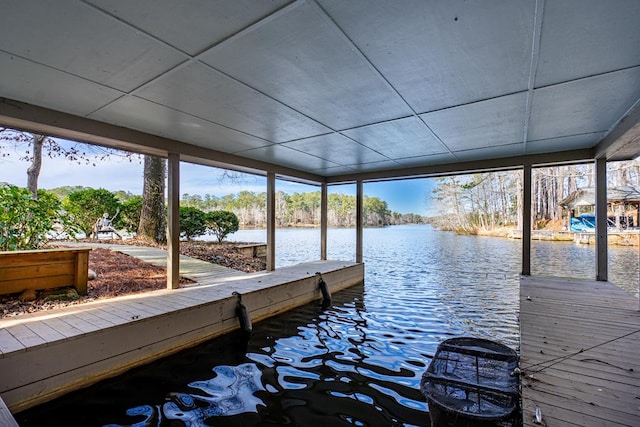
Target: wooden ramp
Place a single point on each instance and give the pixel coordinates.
(580, 353)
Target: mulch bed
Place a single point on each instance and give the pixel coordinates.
(120, 274)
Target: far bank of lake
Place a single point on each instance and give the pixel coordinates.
(426, 248)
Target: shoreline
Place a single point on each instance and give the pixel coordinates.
(615, 238)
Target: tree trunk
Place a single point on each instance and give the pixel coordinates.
(36, 163)
(153, 217)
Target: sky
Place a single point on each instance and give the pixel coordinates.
(120, 173)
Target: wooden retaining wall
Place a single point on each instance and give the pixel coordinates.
(44, 269)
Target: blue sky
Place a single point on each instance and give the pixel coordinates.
(119, 173)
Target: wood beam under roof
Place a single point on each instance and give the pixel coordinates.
(623, 142)
(31, 118)
(488, 165)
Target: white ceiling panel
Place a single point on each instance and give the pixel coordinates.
(337, 149)
(441, 54)
(331, 87)
(285, 156)
(301, 59)
(494, 122)
(77, 38)
(400, 138)
(25, 81)
(145, 116)
(583, 106)
(200, 91)
(188, 25)
(582, 38)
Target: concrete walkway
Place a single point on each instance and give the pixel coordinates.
(197, 270)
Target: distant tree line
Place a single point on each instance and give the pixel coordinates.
(297, 209)
(468, 203)
(25, 220)
(300, 209)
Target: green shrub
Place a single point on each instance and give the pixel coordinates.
(85, 207)
(192, 222)
(130, 213)
(222, 223)
(24, 221)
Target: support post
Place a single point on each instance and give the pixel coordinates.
(602, 273)
(526, 220)
(359, 222)
(173, 221)
(324, 203)
(271, 221)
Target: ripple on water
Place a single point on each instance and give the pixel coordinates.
(359, 362)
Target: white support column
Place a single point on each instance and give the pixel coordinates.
(359, 222)
(602, 273)
(271, 221)
(526, 220)
(324, 201)
(173, 222)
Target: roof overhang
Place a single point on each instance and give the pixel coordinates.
(328, 90)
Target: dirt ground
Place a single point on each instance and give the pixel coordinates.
(120, 274)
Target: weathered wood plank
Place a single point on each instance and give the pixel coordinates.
(81, 272)
(42, 269)
(598, 386)
(594, 393)
(9, 343)
(26, 337)
(6, 419)
(80, 323)
(557, 416)
(110, 317)
(91, 317)
(62, 326)
(65, 268)
(44, 331)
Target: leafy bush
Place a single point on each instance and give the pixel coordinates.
(85, 207)
(24, 221)
(192, 222)
(130, 213)
(222, 223)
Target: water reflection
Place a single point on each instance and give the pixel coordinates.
(358, 362)
(230, 392)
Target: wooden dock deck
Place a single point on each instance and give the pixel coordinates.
(580, 353)
(44, 355)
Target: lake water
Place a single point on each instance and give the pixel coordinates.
(358, 362)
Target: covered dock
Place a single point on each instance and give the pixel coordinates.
(322, 92)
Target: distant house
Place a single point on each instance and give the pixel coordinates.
(623, 208)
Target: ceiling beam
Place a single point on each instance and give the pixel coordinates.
(623, 142)
(506, 163)
(31, 118)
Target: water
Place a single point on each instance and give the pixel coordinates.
(358, 362)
